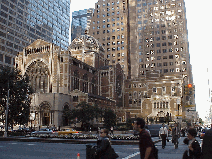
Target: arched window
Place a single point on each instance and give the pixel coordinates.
(93, 87)
(85, 83)
(76, 80)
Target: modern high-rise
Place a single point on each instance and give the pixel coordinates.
(109, 26)
(80, 22)
(158, 37)
(144, 35)
(24, 21)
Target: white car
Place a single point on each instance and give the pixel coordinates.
(42, 132)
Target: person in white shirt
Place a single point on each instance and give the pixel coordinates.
(163, 133)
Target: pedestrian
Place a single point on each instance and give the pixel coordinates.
(207, 145)
(183, 132)
(146, 144)
(163, 134)
(111, 130)
(175, 135)
(104, 149)
(194, 149)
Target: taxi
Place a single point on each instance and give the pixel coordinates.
(69, 131)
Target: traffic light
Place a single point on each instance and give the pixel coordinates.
(188, 89)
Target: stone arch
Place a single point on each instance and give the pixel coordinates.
(66, 110)
(39, 75)
(46, 116)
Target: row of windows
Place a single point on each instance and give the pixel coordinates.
(163, 50)
(164, 105)
(108, 26)
(165, 70)
(114, 37)
(114, 49)
(114, 55)
(108, 20)
(154, 64)
(108, 4)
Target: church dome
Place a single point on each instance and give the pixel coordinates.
(86, 42)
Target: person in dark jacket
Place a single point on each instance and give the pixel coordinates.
(145, 142)
(194, 151)
(207, 145)
(104, 149)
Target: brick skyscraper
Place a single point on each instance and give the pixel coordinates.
(144, 35)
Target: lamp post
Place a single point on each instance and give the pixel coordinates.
(6, 112)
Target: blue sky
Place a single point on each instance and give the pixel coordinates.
(199, 36)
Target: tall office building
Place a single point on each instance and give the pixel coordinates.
(109, 26)
(24, 21)
(80, 22)
(159, 40)
(144, 35)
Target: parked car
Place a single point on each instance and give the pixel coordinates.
(155, 128)
(68, 131)
(43, 131)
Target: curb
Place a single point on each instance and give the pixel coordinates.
(71, 141)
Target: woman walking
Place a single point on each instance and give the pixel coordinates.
(104, 149)
(194, 149)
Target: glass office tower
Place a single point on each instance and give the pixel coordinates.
(24, 21)
(80, 22)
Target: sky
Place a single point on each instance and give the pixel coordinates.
(198, 14)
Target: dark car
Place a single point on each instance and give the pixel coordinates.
(155, 128)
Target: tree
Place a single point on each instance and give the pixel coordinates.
(84, 113)
(19, 95)
(66, 115)
(109, 118)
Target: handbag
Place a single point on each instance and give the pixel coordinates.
(186, 156)
(114, 155)
(167, 140)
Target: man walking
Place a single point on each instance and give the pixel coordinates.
(207, 145)
(163, 133)
(145, 142)
(175, 135)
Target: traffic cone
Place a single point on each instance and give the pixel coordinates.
(78, 156)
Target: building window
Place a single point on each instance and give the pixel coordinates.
(75, 98)
(154, 89)
(166, 70)
(167, 104)
(155, 104)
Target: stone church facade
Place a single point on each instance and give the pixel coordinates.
(64, 78)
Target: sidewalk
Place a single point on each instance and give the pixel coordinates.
(70, 141)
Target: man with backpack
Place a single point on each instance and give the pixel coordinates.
(146, 145)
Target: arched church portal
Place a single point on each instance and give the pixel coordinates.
(46, 115)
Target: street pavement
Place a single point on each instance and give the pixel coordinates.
(169, 152)
(43, 150)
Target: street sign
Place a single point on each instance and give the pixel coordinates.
(189, 106)
(178, 101)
